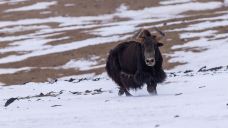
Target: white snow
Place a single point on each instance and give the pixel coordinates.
(59, 48)
(226, 2)
(13, 70)
(214, 55)
(201, 103)
(11, 1)
(69, 5)
(110, 30)
(80, 64)
(215, 44)
(23, 28)
(83, 64)
(122, 8)
(197, 34)
(37, 6)
(167, 2)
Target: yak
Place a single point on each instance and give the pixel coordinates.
(131, 64)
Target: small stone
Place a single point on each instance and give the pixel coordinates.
(9, 101)
(41, 94)
(157, 125)
(88, 91)
(201, 86)
(98, 90)
(176, 116)
(56, 105)
(71, 80)
(177, 94)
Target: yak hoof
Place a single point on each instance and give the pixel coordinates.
(153, 93)
(121, 92)
(128, 94)
(152, 90)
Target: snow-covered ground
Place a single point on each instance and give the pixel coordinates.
(37, 6)
(193, 96)
(195, 99)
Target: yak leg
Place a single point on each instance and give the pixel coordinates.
(151, 88)
(122, 91)
(124, 88)
(125, 91)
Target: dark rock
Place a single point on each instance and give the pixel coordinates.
(81, 79)
(177, 94)
(202, 69)
(52, 81)
(56, 105)
(187, 71)
(71, 80)
(157, 125)
(201, 86)
(88, 91)
(96, 79)
(176, 116)
(77, 93)
(10, 101)
(98, 90)
(41, 94)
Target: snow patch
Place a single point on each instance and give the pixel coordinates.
(12, 1)
(83, 64)
(197, 34)
(69, 5)
(114, 30)
(122, 8)
(37, 6)
(23, 28)
(79, 64)
(168, 2)
(226, 2)
(13, 70)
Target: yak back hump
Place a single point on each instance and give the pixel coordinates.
(128, 57)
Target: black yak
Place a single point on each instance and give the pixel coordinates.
(131, 64)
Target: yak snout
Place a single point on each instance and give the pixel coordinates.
(150, 61)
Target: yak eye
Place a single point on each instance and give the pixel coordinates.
(160, 44)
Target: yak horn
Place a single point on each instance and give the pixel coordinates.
(138, 36)
(162, 34)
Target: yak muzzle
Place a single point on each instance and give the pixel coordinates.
(150, 61)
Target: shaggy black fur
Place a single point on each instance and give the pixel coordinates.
(126, 66)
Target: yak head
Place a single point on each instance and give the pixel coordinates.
(150, 44)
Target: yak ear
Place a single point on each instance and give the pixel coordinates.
(160, 44)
